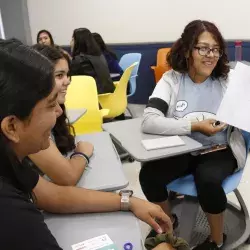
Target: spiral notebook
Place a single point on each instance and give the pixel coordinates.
(163, 142)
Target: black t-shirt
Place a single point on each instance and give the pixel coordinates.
(22, 225)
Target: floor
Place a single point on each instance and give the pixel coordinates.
(132, 171)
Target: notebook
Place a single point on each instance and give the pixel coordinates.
(163, 142)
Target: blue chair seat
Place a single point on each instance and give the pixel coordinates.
(186, 186)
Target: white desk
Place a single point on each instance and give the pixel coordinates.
(75, 114)
(122, 227)
(105, 171)
(128, 134)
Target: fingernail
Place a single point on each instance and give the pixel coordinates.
(159, 231)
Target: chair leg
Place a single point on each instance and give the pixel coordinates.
(121, 152)
(189, 211)
(245, 237)
(130, 112)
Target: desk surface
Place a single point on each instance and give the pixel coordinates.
(122, 227)
(128, 134)
(105, 170)
(75, 114)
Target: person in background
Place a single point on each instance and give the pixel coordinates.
(110, 57)
(53, 162)
(89, 60)
(112, 61)
(44, 37)
(25, 130)
(185, 102)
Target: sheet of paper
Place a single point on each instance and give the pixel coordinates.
(234, 108)
(163, 142)
(102, 242)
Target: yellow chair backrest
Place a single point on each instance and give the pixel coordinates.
(117, 102)
(82, 93)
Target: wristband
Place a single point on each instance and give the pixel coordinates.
(81, 155)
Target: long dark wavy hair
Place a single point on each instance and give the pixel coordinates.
(85, 43)
(65, 142)
(104, 48)
(188, 40)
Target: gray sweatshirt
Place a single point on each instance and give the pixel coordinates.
(159, 118)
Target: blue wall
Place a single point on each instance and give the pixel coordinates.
(145, 80)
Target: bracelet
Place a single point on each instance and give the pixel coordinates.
(81, 155)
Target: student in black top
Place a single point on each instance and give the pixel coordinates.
(28, 112)
(109, 55)
(111, 59)
(88, 60)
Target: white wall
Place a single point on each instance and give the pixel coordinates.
(125, 21)
(15, 20)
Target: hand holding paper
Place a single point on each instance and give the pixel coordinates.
(234, 108)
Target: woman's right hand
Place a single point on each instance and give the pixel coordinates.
(85, 148)
(152, 214)
(207, 127)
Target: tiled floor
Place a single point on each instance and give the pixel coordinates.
(132, 171)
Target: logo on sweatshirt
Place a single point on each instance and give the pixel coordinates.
(181, 106)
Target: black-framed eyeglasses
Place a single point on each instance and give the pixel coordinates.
(205, 51)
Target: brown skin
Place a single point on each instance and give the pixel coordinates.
(207, 127)
(44, 39)
(59, 169)
(164, 246)
(32, 135)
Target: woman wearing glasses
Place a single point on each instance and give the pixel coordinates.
(185, 102)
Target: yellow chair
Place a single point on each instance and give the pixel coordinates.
(82, 93)
(117, 102)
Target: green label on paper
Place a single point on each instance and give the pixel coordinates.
(110, 247)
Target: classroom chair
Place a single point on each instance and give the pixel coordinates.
(82, 93)
(161, 63)
(117, 102)
(193, 225)
(125, 62)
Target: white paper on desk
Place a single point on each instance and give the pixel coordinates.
(163, 142)
(96, 243)
(234, 108)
